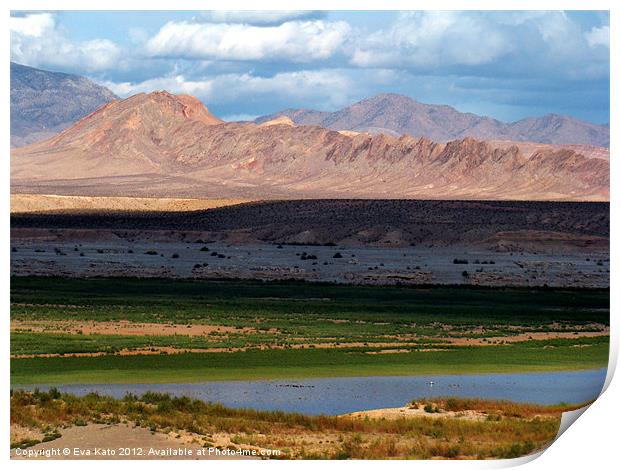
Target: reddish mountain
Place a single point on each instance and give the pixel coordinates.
(394, 114)
(158, 144)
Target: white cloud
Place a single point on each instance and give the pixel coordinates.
(326, 88)
(297, 41)
(430, 39)
(175, 84)
(327, 85)
(486, 43)
(249, 61)
(31, 25)
(256, 17)
(561, 36)
(138, 35)
(598, 36)
(37, 40)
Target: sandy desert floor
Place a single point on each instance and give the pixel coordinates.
(120, 441)
(344, 241)
(24, 203)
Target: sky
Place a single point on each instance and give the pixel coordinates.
(242, 64)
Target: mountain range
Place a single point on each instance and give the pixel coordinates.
(159, 144)
(44, 103)
(398, 115)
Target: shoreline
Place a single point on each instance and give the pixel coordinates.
(111, 381)
(502, 429)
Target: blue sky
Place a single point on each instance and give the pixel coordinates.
(242, 64)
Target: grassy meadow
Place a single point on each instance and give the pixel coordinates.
(257, 330)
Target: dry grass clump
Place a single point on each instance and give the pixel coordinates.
(503, 408)
(510, 430)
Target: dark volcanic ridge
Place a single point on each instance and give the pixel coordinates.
(500, 225)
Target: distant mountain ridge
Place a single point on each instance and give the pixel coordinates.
(44, 103)
(162, 145)
(395, 114)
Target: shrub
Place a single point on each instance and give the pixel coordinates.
(337, 255)
(460, 261)
(51, 436)
(429, 408)
(452, 404)
(25, 443)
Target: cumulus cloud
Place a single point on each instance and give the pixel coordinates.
(598, 36)
(177, 84)
(257, 62)
(326, 88)
(37, 40)
(484, 43)
(296, 41)
(31, 25)
(429, 39)
(330, 86)
(262, 17)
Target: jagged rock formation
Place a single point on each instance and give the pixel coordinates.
(159, 144)
(397, 115)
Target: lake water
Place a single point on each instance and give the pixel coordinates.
(332, 396)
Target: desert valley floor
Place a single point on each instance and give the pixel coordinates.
(343, 241)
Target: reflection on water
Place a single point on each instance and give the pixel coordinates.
(333, 396)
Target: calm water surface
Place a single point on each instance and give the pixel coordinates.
(346, 394)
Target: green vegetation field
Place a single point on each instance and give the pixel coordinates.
(297, 330)
(198, 367)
